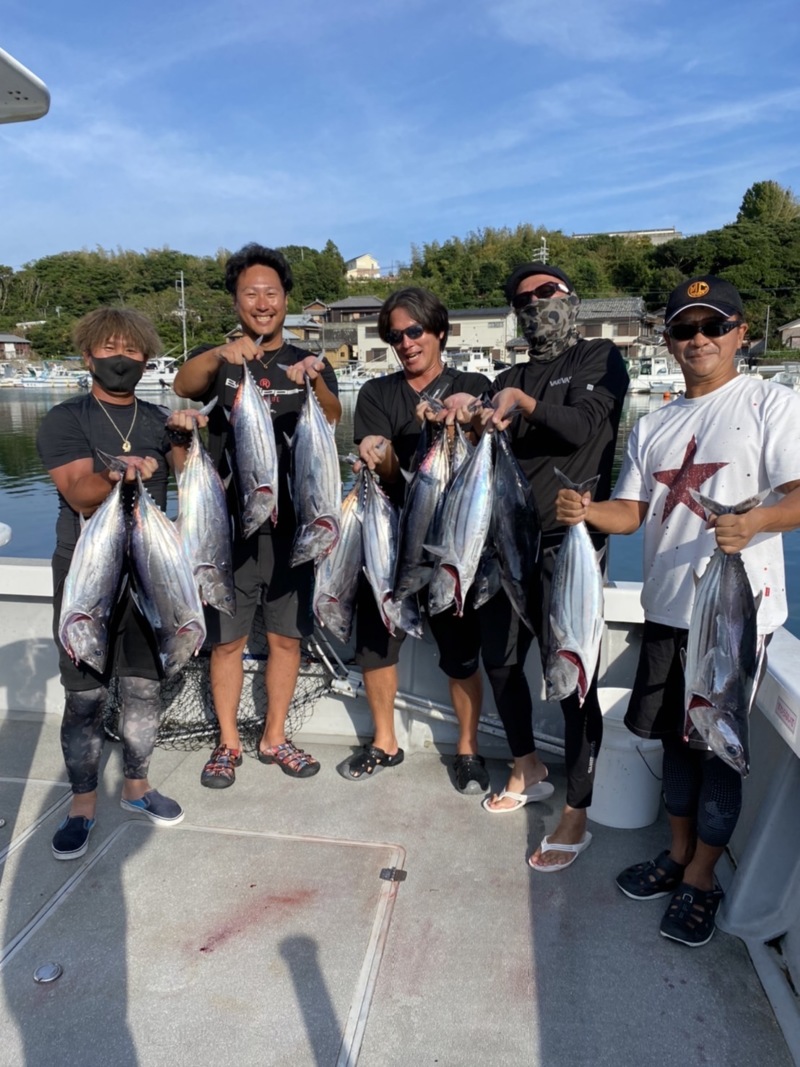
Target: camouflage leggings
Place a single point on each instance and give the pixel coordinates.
(82, 734)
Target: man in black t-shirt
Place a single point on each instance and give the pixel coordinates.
(115, 344)
(387, 430)
(259, 279)
(568, 401)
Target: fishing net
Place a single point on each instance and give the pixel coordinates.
(188, 720)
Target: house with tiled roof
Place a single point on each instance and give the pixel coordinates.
(13, 347)
(622, 319)
(353, 308)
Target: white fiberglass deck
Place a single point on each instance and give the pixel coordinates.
(260, 930)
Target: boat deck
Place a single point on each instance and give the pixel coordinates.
(260, 930)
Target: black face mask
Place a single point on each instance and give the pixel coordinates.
(117, 374)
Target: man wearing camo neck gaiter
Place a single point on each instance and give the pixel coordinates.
(562, 409)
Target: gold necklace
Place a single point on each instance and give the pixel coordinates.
(126, 445)
(265, 365)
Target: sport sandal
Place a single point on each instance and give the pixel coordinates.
(690, 917)
(219, 772)
(291, 760)
(652, 879)
(368, 762)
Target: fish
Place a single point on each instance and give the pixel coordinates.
(204, 527)
(165, 590)
(576, 610)
(423, 499)
(516, 529)
(466, 519)
(256, 466)
(93, 583)
(338, 572)
(721, 662)
(488, 580)
(316, 483)
(379, 538)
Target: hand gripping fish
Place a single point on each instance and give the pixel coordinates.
(576, 610)
(722, 660)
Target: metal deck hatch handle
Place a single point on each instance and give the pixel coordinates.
(393, 874)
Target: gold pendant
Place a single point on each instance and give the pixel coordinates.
(126, 446)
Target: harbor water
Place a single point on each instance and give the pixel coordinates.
(28, 501)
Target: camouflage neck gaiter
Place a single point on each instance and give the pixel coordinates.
(549, 327)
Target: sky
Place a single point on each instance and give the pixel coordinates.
(388, 124)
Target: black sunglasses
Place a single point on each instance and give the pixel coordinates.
(685, 331)
(541, 292)
(394, 337)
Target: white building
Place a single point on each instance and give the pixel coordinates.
(365, 266)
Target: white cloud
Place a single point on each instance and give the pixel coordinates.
(588, 30)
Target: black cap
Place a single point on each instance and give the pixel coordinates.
(524, 270)
(707, 291)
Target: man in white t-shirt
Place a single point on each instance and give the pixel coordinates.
(729, 438)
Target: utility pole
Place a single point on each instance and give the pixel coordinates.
(182, 308)
(543, 251)
(766, 332)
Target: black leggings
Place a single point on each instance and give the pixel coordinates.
(702, 787)
(583, 728)
(82, 733)
(505, 642)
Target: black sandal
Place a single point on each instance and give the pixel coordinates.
(653, 879)
(367, 762)
(690, 917)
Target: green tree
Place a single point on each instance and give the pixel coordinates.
(768, 202)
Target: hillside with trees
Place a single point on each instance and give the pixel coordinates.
(759, 252)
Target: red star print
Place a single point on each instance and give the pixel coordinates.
(688, 476)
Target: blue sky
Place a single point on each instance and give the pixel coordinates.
(388, 123)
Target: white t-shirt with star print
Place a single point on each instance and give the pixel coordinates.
(734, 443)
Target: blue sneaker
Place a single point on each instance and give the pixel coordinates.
(160, 810)
(71, 839)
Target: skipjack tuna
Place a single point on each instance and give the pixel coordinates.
(722, 659)
(576, 610)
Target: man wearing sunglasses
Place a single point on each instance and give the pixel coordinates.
(731, 437)
(562, 409)
(387, 432)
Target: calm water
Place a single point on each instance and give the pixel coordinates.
(28, 499)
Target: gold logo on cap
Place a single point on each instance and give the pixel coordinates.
(697, 289)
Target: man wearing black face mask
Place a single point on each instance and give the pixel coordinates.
(115, 344)
(562, 409)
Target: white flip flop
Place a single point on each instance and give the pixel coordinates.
(548, 846)
(540, 791)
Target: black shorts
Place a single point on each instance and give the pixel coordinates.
(658, 700)
(132, 647)
(457, 638)
(657, 704)
(262, 575)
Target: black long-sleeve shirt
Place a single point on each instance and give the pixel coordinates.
(579, 398)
